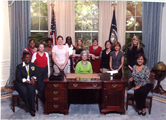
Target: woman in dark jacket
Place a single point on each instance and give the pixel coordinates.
(132, 52)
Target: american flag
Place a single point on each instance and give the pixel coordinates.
(53, 28)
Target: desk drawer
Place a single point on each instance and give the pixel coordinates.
(56, 99)
(55, 85)
(56, 92)
(113, 85)
(57, 106)
(84, 85)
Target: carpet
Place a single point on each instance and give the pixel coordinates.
(81, 112)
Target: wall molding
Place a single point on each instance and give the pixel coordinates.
(5, 71)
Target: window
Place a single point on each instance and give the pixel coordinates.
(39, 19)
(134, 19)
(86, 21)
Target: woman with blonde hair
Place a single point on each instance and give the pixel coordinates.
(132, 52)
(79, 47)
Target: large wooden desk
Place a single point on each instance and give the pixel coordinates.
(112, 96)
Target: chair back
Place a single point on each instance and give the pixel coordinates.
(74, 60)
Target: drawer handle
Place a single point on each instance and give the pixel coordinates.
(56, 99)
(55, 106)
(94, 85)
(55, 85)
(55, 92)
(75, 85)
(114, 85)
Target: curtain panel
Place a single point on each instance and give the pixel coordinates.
(105, 20)
(19, 23)
(151, 34)
(65, 18)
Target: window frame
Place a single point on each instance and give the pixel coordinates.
(39, 31)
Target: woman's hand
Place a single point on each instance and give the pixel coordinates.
(62, 67)
(130, 67)
(137, 87)
(131, 79)
(112, 69)
(101, 69)
(93, 57)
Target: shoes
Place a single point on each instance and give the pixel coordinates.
(32, 113)
(143, 114)
(139, 113)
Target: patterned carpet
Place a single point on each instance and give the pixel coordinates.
(82, 111)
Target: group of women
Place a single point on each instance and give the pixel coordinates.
(54, 59)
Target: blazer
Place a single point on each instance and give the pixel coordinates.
(21, 72)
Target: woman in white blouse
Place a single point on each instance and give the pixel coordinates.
(60, 56)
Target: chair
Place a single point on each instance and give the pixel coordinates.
(15, 94)
(74, 60)
(130, 94)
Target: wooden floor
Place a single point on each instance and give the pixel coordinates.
(5, 89)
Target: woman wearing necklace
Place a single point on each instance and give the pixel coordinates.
(84, 66)
(105, 57)
(48, 49)
(95, 52)
(117, 58)
(140, 76)
(41, 59)
(79, 47)
(31, 49)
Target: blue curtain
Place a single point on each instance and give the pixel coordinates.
(151, 19)
(19, 20)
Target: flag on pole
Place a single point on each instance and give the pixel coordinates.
(53, 28)
(113, 36)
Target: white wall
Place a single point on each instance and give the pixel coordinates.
(163, 43)
(5, 43)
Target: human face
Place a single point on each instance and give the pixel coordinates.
(135, 41)
(140, 61)
(117, 48)
(68, 41)
(32, 44)
(41, 48)
(79, 42)
(60, 41)
(49, 43)
(27, 59)
(95, 43)
(84, 57)
(108, 45)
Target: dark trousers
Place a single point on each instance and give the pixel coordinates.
(140, 96)
(27, 93)
(41, 75)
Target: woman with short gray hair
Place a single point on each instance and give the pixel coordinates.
(84, 66)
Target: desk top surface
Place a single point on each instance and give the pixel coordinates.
(95, 77)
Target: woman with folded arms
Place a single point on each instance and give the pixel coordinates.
(84, 66)
(117, 58)
(79, 47)
(41, 59)
(48, 49)
(60, 56)
(95, 52)
(140, 76)
(31, 49)
(105, 57)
